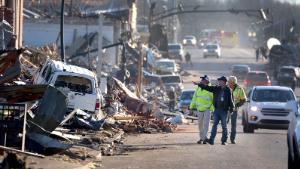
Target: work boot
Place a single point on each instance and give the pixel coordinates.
(199, 142)
(206, 141)
(211, 142)
(233, 142)
(224, 143)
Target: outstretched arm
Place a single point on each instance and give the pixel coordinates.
(208, 88)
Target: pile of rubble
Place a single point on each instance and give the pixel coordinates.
(50, 130)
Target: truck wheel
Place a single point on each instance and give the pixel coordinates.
(292, 164)
(247, 128)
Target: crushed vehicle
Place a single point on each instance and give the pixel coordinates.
(79, 84)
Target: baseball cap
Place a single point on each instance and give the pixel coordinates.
(223, 78)
(205, 77)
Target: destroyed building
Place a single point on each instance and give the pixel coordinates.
(39, 118)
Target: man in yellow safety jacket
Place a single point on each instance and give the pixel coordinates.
(202, 102)
(239, 98)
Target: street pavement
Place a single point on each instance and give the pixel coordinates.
(265, 149)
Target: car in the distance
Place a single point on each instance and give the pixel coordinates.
(293, 141)
(166, 66)
(268, 107)
(202, 43)
(185, 100)
(175, 51)
(288, 76)
(240, 71)
(189, 40)
(172, 81)
(212, 50)
(257, 78)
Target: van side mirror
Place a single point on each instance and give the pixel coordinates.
(297, 113)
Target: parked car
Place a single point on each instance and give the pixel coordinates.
(79, 84)
(212, 50)
(240, 71)
(288, 76)
(166, 66)
(202, 43)
(268, 107)
(152, 80)
(257, 78)
(176, 51)
(293, 142)
(172, 81)
(189, 40)
(185, 99)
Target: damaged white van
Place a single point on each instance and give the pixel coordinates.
(79, 84)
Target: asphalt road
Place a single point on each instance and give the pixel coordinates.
(265, 149)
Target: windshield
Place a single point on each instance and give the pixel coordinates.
(269, 95)
(240, 68)
(171, 79)
(187, 95)
(189, 37)
(211, 47)
(286, 70)
(165, 64)
(257, 76)
(74, 83)
(174, 47)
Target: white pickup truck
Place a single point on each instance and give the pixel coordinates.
(79, 84)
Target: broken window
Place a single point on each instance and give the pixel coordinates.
(45, 70)
(48, 74)
(74, 83)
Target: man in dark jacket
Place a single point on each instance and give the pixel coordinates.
(223, 102)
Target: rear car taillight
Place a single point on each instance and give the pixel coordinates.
(245, 82)
(98, 105)
(269, 83)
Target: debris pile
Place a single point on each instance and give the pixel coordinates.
(52, 129)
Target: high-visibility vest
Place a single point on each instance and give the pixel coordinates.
(202, 100)
(238, 94)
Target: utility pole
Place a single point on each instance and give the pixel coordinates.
(17, 7)
(62, 43)
(140, 70)
(71, 9)
(116, 34)
(100, 39)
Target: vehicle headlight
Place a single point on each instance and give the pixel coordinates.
(184, 41)
(204, 50)
(254, 108)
